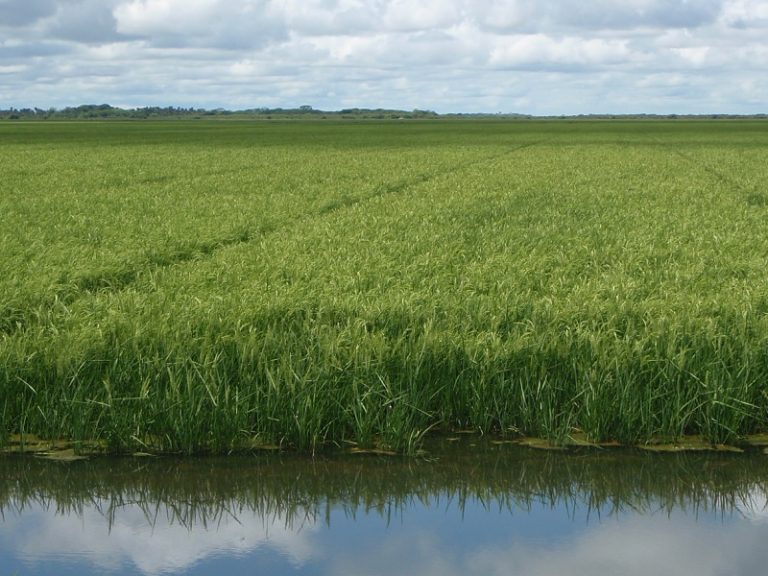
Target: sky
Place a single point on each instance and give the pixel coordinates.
(514, 56)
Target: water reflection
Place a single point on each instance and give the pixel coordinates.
(469, 510)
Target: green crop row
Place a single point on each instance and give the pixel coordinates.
(195, 286)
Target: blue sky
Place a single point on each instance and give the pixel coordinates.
(527, 56)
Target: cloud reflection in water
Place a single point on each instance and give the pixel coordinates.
(631, 544)
(151, 546)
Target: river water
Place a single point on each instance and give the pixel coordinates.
(465, 508)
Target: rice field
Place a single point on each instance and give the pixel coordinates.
(214, 286)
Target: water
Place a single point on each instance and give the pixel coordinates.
(467, 509)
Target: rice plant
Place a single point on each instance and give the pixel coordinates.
(215, 286)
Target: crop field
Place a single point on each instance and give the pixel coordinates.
(213, 286)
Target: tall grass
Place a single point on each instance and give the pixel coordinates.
(307, 285)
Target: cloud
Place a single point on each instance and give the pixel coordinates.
(25, 12)
(401, 15)
(540, 51)
(632, 14)
(84, 21)
(531, 16)
(328, 17)
(201, 23)
(507, 15)
(745, 13)
(24, 53)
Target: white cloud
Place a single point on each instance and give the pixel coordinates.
(745, 13)
(211, 23)
(697, 56)
(13, 69)
(506, 15)
(324, 17)
(177, 17)
(401, 15)
(538, 50)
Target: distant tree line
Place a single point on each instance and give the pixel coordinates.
(105, 111)
(94, 111)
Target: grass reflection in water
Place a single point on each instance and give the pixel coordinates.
(201, 492)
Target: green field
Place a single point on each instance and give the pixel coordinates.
(208, 286)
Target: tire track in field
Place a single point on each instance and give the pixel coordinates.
(403, 185)
(752, 195)
(16, 317)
